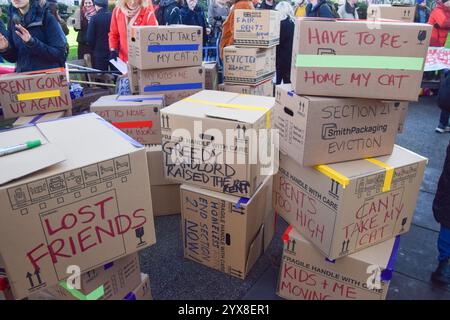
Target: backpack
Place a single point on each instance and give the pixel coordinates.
(333, 8)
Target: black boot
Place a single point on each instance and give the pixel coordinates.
(442, 274)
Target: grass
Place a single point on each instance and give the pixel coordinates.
(73, 44)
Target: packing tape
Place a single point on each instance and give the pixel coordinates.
(36, 118)
(285, 236)
(241, 200)
(386, 274)
(364, 62)
(234, 106)
(344, 181)
(120, 133)
(38, 95)
(389, 173)
(94, 295)
(172, 47)
(130, 296)
(133, 124)
(173, 87)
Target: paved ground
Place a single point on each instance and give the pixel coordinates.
(173, 277)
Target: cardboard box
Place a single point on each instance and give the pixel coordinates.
(220, 141)
(137, 116)
(43, 117)
(349, 206)
(159, 47)
(141, 292)
(248, 65)
(81, 199)
(211, 75)
(263, 89)
(306, 275)
(165, 193)
(403, 110)
(31, 93)
(174, 83)
(224, 232)
(318, 130)
(257, 28)
(112, 281)
(361, 59)
(387, 11)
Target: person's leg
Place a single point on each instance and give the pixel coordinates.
(443, 122)
(442, 273)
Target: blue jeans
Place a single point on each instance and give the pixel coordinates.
(443, 118)
(444, 244)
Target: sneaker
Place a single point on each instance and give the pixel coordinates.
(442, 274)
(441, 129)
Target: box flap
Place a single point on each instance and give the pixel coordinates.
(22, 163)
(128, 101)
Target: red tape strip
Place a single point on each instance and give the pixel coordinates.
(286, 234)
(133, 124)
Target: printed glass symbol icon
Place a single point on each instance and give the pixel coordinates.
(19, 196)
(140, 234)
(403, 224)
(422, 36)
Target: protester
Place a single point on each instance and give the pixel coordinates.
(86, 13)
(422, 12)
(168, 12)
(266, 5)
(284, 49)
(440, 20)
(53, 7)
(319, 8)
(97, 35)
(300, 8)
(128, 13)
(218, 11)
(348, 10)
(34, 39)
(441, 203)
(228, 26)
(192, 15)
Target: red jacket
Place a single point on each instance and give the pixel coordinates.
(118, 29)
(440, 20)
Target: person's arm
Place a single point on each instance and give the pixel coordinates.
(341, 11)
(441, 20)
(64, 27)
(211, 14)
(309, 10)
(56, 46)
(114, 32)
(175, 16)
(325, 11)
(90, 35)
(9, 54)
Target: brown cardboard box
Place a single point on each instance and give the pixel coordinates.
(318, 130)
(137, 116)
(256, 28)
(211, 75)
(174, 83)
(142, 291)
(387, 11)
(26, 120)
(225, 232)
(81, 199)
(369, 210)
(112, 281)
(159, 47)
(263, 89)
(403, 110)
(220, 141)
(306, 275)
(165, 193)
(248, 65)
(361, 59)
(30, 93)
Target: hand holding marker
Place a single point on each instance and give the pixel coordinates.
(20, 147)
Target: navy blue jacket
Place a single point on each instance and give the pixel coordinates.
(321, 9)
(97, 32)
(48, 47)
(194, 17)
(168, 13)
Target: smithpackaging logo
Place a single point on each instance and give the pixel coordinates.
(331, 130)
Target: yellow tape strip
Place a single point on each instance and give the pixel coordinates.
(389, 173)
(234, 106)
(38, 95)
(333, 174)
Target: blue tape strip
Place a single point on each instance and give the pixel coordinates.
(172, 87)
(130, 296)
(330, 260)
(140, 99)
(36, 119)
(108, 265)
(242, 200)
(172, 47)
(386, 274)
(121, 133)
(291, 93)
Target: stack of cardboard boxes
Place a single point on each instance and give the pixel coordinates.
(33, 97)
(344, 187)
(249, 64)
(404, 13)
(208, 143)
(75, 211)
